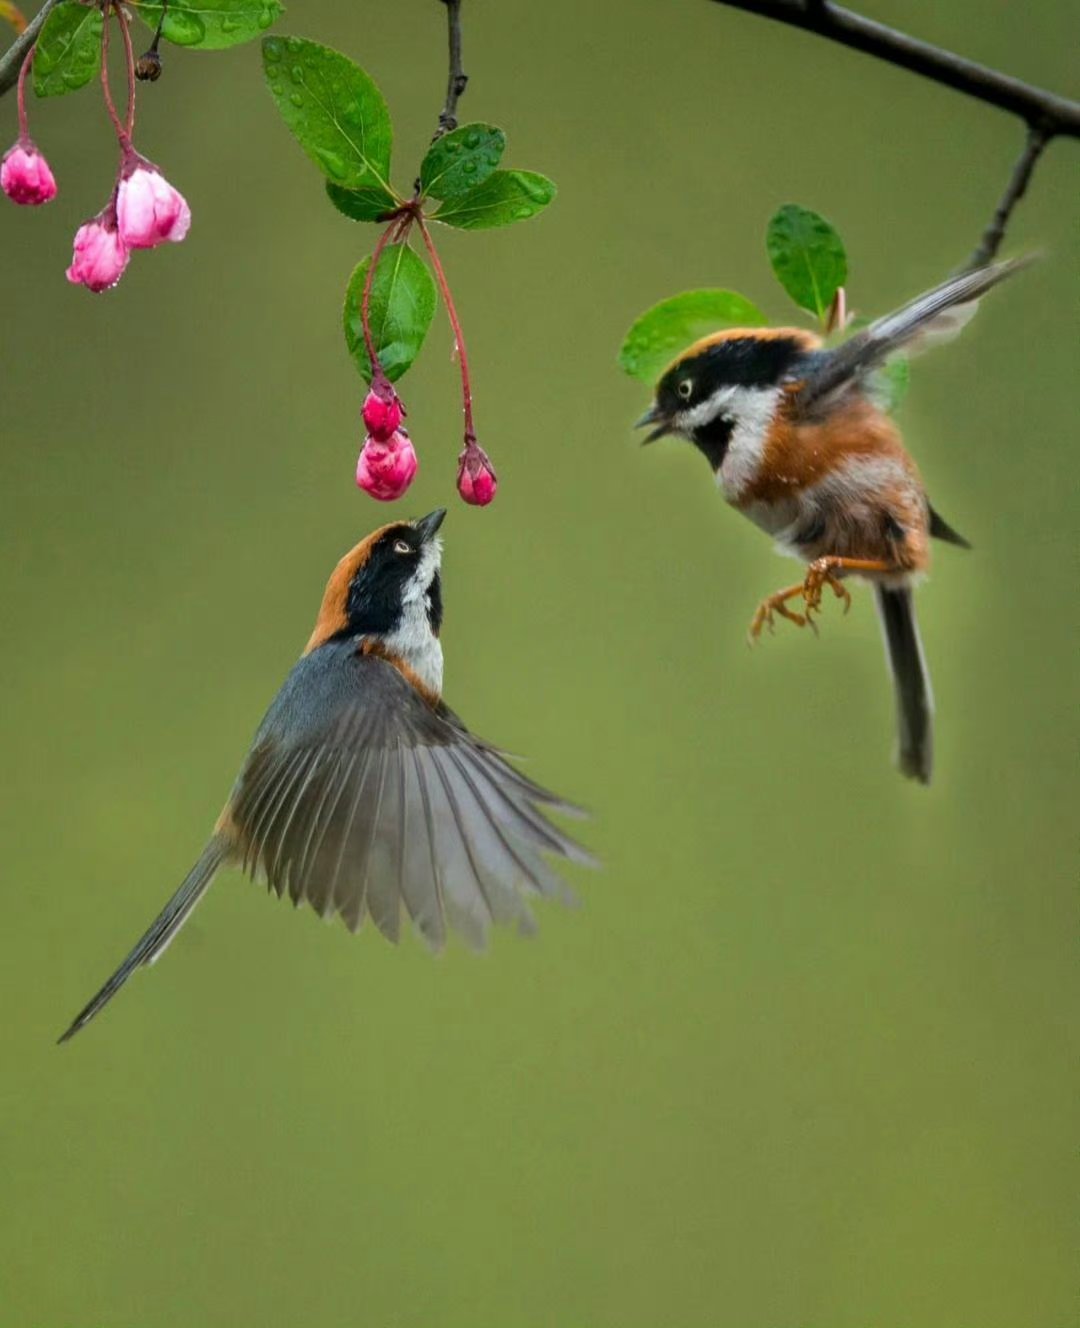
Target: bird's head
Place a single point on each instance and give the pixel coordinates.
(387, 589)
(727, 379)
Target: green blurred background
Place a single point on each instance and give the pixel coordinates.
(807, 1053)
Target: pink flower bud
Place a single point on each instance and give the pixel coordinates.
(149, 210)
(383, 411)
(476, 478)
(25, 176)
(386, 469)
(100, 254)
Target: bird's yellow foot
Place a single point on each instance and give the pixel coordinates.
(822, 573)
(764, 615)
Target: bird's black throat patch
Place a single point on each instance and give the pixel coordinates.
(712, 439)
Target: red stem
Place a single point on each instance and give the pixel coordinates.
(121, 134)
(459, 338)
(398, 228)
(24, 131)
(129, 56)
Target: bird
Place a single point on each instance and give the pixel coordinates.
(798, 439)
(363, 793)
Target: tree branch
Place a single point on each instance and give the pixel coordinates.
(1051, 113)
(457, 80)
(992, 237)
(11, 60)
(1045, 113)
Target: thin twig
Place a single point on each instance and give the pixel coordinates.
(11, 60)
(457, 80)
(1037, 139)
(1056, 115)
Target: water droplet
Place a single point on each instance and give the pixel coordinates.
(266, 17)
(472, 140)
(230, 24)
(294, 44)
(297, 98)
(184, 28)
(469, 167)
(272, 49)
(331, 161)
(523, 213)
(296, 73)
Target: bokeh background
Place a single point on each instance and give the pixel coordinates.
(806, 1055)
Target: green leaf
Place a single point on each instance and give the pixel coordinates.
(68, 52)
(461, 160)
(361, 204)
(402, 306)
(210, 25)
(503, 198)
(334, 110)
(807, 256)
(670, 326)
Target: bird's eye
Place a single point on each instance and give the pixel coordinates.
(402, 546)
(685, 388)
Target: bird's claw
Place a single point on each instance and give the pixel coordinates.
(821, 573)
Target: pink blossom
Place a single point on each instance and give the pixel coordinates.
(476, 479)
(25, 175)
(100, 253)
(383, 411)
(148, 209)
(386, 469)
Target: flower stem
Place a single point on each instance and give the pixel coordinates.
(455, 324)
(397, 229)
(129, 56)
(24, 129)
(123, 137)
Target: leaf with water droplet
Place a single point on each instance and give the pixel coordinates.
(503, 198)
(402, 306)
(334, 111)
(68, 51)
(210, 25)
(673, 324)
(361, 204)
(461, 160)
(807, 256)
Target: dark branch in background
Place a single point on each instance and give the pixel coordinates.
(457, 80)
(1058, 115)
(11, 60)
(1045, 114)
(988, 246)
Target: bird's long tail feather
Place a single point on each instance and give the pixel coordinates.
(160, 932)
(914, 701)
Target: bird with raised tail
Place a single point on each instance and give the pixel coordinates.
(363, 794)
(798, 441)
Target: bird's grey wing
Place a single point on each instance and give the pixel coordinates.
(361, 799)
(935, 316)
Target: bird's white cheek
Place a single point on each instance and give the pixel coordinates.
(753, 410)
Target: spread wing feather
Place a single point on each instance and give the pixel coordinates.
(362, 799)
(935, 316)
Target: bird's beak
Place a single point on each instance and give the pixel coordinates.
(653, 416)
(428, 525)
